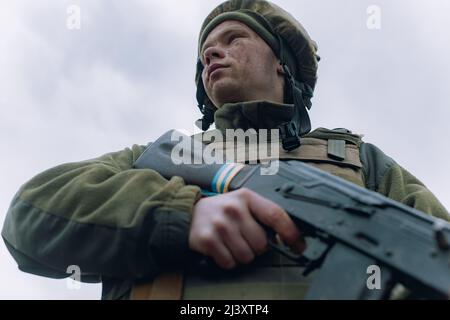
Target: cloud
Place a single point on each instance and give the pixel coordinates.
(127, 76)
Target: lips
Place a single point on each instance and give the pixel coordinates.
(215, 67)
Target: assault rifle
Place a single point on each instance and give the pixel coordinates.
(349, 229)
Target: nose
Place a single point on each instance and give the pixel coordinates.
(213, 53)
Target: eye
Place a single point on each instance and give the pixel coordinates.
(233, 37)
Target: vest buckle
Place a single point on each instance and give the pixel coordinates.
(289, 136)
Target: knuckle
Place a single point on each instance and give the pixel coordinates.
(274, 216)
(246, 257)
(207, 241)
(243, 255)
(225, 263)
(261, 246)
(220, 226)
(232, 210)
(245, 192)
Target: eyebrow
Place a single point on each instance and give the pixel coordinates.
(224, 34)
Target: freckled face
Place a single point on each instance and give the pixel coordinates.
(239, 66)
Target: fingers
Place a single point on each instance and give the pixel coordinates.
(216, 231)
(273, 216)
(246, 233)
(255, 236)
(228, 227)
(226, 245)
(236, 244)
(211, 245)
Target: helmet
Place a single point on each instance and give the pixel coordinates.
(290, 43)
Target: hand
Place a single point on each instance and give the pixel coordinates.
(227, 227)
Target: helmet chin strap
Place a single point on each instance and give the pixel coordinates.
(208, 113)
(208, 119)
(300, 123)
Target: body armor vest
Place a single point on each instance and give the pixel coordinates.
(270, 276)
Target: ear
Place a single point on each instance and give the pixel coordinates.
(280, 69)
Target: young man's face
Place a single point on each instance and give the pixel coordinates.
(240, 66)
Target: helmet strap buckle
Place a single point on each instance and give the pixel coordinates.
(289, 136)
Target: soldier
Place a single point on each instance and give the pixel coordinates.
(256, 69)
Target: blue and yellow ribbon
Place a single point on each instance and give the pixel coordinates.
(224, 175)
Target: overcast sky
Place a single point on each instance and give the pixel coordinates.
(126, 77)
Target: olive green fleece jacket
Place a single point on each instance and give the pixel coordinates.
(109, 219)
(119, 224)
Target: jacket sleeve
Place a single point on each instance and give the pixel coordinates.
(384, 175)
(103, 216)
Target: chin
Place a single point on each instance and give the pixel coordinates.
(228, 92)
